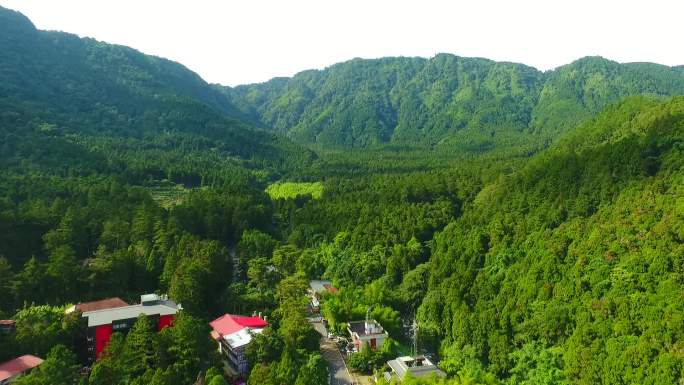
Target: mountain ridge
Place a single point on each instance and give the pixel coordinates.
(61, 91)
(367, 102)
(467, 104)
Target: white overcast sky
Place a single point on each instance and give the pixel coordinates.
(236, 42)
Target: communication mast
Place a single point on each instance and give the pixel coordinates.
(414, 336)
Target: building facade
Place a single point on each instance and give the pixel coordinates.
(102, 323)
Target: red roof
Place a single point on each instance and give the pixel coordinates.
(18, 365)
(330, 288)
(109, 303)
(229, 324)
(6, 322)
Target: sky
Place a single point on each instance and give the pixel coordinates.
(235, 42)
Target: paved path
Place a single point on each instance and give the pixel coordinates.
(338, 369)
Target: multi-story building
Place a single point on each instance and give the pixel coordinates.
(102, 322)
(233, 333)
(367, 332)
(12, 369)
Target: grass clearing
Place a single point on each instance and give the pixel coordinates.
(291, 190)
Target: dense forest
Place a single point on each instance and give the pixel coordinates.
(531, 223)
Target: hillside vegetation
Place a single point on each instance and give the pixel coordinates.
(531, 223)
(72, 105)
(468, 104)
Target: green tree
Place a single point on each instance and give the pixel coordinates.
(536, 365)
(31, 283)
(63, 270)
(138, 353)
(188, 286)
(261, 375)
(110, 368)
(285, 259)
(313, 372)
(191, 346)
(253, 244)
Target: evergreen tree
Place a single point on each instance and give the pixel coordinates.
(314, 372)
(110, 368)
(138, 353)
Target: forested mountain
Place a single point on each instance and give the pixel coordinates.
(566, 270)
(576, 259)
(467, 103)
(531, 223)
(76, 97)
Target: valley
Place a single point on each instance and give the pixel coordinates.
(530, 222)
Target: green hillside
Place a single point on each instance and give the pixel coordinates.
(578, 254)
(532, 224)
(562, 268)
(79, 105)
(469, 104)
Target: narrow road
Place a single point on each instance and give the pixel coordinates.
(338, 369)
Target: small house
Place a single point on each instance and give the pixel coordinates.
(419, 366)
(367, 332)
(316, 289)
(12, 369)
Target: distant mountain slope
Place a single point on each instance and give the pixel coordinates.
(578, 90)
(59, 91)
(446, 99)
(63, 68)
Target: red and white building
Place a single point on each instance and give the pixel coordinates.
(109, 316)
(233, 333)
(12, 369)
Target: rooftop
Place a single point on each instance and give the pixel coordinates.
(418, 366)
(160, 306)
(108, 303)
(365, 328)
(236, 329)
(6, 322)
(242, 337)
(318, 286)
(18, 365)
